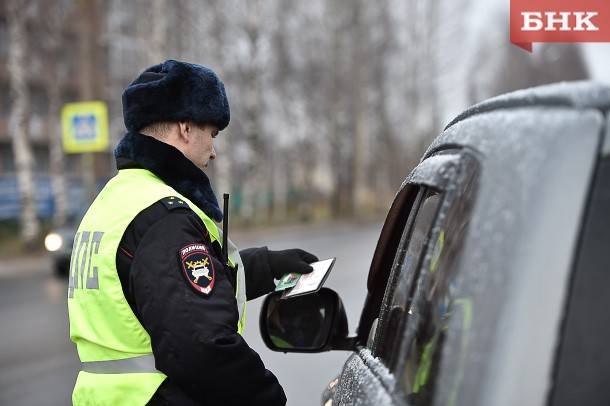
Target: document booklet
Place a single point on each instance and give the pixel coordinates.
(311, 282)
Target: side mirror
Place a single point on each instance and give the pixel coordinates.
(310, 323)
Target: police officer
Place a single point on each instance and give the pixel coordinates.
(155, 311)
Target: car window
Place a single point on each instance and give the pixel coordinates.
(400, 286)
(434, 300)
(407, 201)
(420, 295)
(433, 173)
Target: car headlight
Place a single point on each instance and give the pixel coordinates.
(53, 242)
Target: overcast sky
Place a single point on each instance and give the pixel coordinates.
(596, 54)
(598, 57)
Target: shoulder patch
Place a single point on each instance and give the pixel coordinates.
(197, 267)
(173, 202)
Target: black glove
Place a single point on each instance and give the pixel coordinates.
(294, 260)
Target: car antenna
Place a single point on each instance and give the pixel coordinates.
(225, 228)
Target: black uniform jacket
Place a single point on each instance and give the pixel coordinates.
(194, 335)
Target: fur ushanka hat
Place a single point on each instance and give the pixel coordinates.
(175, 91)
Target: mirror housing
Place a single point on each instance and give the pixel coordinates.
(315, 322)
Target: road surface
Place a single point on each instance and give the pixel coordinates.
(38, 363)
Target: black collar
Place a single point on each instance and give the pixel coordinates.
(171, 166)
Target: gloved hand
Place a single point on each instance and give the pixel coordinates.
(262, 266)
(294, 260)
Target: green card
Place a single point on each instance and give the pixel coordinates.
(287, 281)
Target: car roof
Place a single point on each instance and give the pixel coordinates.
(471, 128)
(480, 126)
(579, 94)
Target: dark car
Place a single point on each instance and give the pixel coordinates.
(58, 242)
(491, 277)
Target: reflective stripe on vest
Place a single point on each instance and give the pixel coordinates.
(143, 363)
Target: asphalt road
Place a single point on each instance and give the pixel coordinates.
(38, 363)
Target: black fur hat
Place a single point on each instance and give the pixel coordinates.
(175, 91)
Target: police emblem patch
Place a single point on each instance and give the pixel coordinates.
(198, 267)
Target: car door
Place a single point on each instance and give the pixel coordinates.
(398, 363)
(582, 363)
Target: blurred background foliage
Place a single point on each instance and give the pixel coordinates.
(333, 101)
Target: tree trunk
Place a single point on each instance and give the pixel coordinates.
(334, 107)
(388, 150)
(256, 183)
(280, 182)
(18, 120)
(223, 164)
(358, 190)
(55, 19)
(90, 82)
(159, 31)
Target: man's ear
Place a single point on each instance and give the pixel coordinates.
(184, 128)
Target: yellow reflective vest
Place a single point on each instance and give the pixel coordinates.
(118, 365)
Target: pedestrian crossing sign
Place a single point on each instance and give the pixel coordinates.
(85, 127)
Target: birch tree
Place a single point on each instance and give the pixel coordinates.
(359, 88)
(253, 182)
(55, 12)
(388, 157)
(336, 23)
(17, 13)
(157, 52)
(217, 26)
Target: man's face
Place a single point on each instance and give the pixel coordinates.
(200, 148)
